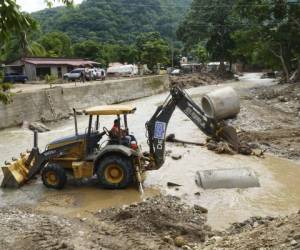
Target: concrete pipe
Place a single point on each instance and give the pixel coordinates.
(227, 178)
(221, 104)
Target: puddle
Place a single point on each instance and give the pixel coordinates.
(279, 193)
(82, 201)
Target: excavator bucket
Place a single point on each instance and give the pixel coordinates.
(16, 173)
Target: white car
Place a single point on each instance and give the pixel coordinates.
(175, 72)
(74, 74)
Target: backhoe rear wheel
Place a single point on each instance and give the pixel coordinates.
(115, 172)
(54, 176)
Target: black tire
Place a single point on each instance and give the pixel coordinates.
(57, 173)
(119, 163)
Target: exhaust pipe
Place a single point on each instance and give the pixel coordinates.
(35, 139)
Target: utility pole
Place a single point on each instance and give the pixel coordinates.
(172, 56)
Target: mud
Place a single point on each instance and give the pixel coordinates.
(270, 119)
(152, 224)
(260, 233)
(194, 80)
(71, 218)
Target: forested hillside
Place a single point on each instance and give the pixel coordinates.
(118, 21)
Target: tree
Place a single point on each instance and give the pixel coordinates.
(56, 44)
(13, 21)
(152, 49)
(88, 49)
(200, 52)
(209, 23)
(272, 29)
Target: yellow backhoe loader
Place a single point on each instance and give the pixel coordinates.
(118, 161)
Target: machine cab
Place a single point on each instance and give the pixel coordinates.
(116, 135)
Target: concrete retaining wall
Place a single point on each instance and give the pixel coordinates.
(57, 103)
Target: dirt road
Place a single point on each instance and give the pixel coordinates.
(78, 206)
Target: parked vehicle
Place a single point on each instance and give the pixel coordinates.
(74, 74)
(90, 74)
(15, 77)
(100, 74)
(176, 72)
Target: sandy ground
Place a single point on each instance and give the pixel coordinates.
(80, 216)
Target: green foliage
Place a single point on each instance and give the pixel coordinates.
(12, 20)
(116, 22)
(201, 53)
(5, 95)
(57, 44)
(88, 49)
(50, 79)
(208, 24)
(152, 49)
(271, 34)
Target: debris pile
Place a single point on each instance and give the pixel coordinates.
(260, 233)
(164, 219)
(194, 80)
(270, 120)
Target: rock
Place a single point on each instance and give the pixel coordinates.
(293, 243)
(283, 99)
(63, 245)
(200, 209)
(172, 184)
(39, 127)
(168, 239)
(176, 156)
(197, 193)
(296, 237)
(179, 241)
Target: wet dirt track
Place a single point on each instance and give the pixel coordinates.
(278, 194)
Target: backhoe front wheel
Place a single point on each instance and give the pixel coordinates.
(115, 172)
(54, 176)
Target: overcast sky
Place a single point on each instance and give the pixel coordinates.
(35, 5)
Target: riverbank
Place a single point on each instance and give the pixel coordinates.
(84, 216)
(39, 103)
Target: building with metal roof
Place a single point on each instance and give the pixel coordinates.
(36, 68)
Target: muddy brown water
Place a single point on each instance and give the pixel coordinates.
(279, 193)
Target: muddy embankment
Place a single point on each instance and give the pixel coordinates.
(270, 119)
(57, 103)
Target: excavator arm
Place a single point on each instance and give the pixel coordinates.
(157, 125)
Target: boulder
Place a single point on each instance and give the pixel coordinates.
(39, 127)
(179, 241)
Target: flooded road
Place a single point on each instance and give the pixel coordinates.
(279, 193)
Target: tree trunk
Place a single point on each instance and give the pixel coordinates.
(296, 75)
(222, 68)
(283, 64)
(285, 69)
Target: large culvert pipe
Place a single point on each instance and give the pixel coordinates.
(227, 178)
(221, 104)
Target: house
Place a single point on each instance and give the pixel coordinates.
(36, 68)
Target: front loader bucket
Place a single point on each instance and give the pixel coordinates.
(15, 173)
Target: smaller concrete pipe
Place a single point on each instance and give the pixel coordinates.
(221, 104)
(227, 178)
